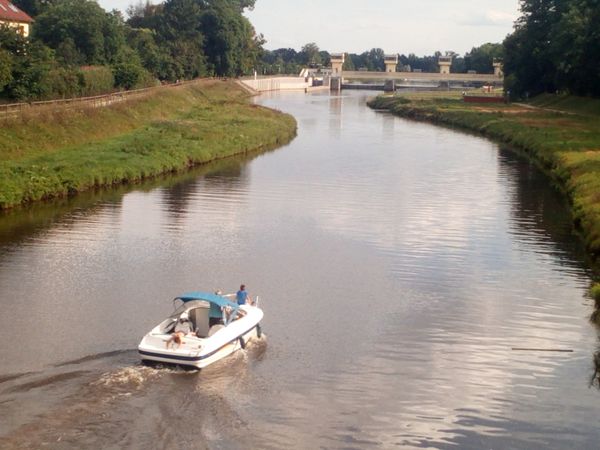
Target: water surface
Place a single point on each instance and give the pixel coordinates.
(398, 265)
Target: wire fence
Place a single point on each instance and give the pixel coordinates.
(15, 110)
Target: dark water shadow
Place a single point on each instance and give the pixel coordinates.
(542, 209)
(13, 376)
(94, 357)
(48, 381)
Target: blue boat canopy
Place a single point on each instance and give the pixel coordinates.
(214, 299)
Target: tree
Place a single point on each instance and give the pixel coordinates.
(31, 70)
(542, 53)
(348, 63)
(481, 58)
(179, 33)
(33, 7)
(231, 45)
(309, 55)
(423, 63)
(375, 59)
(96, 35)
(6, 63)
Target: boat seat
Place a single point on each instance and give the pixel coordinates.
(200, 319)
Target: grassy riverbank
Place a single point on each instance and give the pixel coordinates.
(64, 152)
(561, 133)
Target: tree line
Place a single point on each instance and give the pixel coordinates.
(289, 61)
(78, 48)
(555, 47)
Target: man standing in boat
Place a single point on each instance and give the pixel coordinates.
(242, 296)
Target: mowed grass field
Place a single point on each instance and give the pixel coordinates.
(62, 152)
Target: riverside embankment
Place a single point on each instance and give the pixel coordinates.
(62, 152)
(562, 134)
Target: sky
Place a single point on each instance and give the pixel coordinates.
(397, 26)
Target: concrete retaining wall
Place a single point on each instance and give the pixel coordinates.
(278, 84)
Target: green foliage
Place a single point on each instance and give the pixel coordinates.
(6, 62)
(96, 80)
(96, 35)
(128, 75)
(280, 61)
(33, 7)
(555, 48)
(413, 62)
(348, 63)
(174, 40)
(372, 60)
(480, 59)
(30, 73)
(12, 41)
(309, 55)
(595, 292)
(62, 82)
(231, 46)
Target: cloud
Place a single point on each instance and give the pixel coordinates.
(490, 18)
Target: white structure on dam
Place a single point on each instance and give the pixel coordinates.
(274, 83)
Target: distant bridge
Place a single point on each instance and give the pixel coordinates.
(390, 77)
(424, 77)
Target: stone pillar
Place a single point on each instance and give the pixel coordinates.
(445, 62)
(389, 86)
(335, 84)
(498, 68)
(391, 61)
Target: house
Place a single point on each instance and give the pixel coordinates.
(13, 17)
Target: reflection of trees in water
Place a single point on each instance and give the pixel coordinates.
(542, 210)
(20, 224)
(223, 175)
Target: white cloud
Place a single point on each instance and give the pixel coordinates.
(403, 26)
(490, 18)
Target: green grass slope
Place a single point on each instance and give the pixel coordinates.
(49, 155)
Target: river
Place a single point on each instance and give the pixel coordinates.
(399, 266)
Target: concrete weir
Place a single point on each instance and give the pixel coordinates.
(274, 83)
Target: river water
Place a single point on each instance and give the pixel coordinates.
(399, 266)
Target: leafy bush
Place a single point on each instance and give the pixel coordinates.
(62, 82)
(5, 68)
(128, 75)
(96, 80)
(595, 292)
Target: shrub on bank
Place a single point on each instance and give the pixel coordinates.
(96, 80)
(595, 293)
(168, 130)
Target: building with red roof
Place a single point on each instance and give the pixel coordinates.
(14, 17)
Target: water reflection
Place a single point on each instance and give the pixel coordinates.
(21, 224)
(542, 211)
(398, 263)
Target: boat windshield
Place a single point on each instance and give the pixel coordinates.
(181, 306)
(184, 304)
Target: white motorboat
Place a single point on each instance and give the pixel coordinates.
(219, 328)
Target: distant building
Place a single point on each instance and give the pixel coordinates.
(13, 17)
(391, 62)
(445, 62)
(337, 62)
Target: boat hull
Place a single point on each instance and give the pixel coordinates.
(198, 352)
